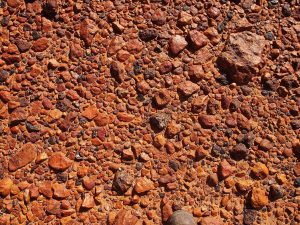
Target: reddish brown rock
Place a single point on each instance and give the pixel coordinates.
(185, 18)
(76, 51)
(60, 191)
(23, 157)
(40, 45)
(23, 45)
(88, 201)
(143, 87)
(207, 121)
(265, 145)
(211, 221)
(88, 183)
(165, 67)
(88, 29)
(260, 170)
(142, 185)
(46, 189)
(58, 161)
(122, 182)
(241, 56)
(162, 98)
(225, 169)
(125, 217)
(196, 72)
(5, 186)
(177, 44)
(187, 88)
(259, 198)
(90, 112)
(197, 39)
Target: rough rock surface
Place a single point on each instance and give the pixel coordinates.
(241, 56)
(127, 112)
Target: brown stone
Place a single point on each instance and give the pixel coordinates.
(187, 88)
(88, 183)
(260, 171)
(122, 182)
(196, 72)
(225, 169)
(143, 87)
(259, 198)
(211, 221)
(265, 145)
(88, 29)
(5, 186)
(198, 39)
(46, 189)
(241, 56)
(207, 121)
(23, 157)
(58, 161)
(162, 98)
(143, 184)
(125, 217)
(177, 44)
(90, 112)
(23, 45)
(88, 201)
(40, 45)
(60, 191)
(165, 67)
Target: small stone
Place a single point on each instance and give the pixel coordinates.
(23, 157)
(198, 39)
(125, 217)
(159, 121)
(172, 129)
(207, 121)
(260, 170)
(177, 44)
(90, 112)
(88, 201)
(88, 29)
(23, 45)
(276, 192)
(185, 18)
(5, 186)
(213, 12)
(181, 217)
(265, 145)
(148, 34)
(117, 71)
(143, 87)
(46, 189)
(187, 88)
(166, 211)
(225, 169)
(122, 182)
(58, 161)
(40, 45)
(165, 67)
(143, 185)
(211, 221)
(196, 72)
(259, 198)
(60, 191)
(297, 169)
(88, 183)
(162, 98)
(240, 151)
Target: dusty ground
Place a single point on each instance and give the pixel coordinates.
(123, 112)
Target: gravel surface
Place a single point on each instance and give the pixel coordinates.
(149, 112)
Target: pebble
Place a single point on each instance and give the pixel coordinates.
(143, 185)
(58, 161)
(181, 217)
(259, 198)
(177, 44)
(23, 157)
(5, 186)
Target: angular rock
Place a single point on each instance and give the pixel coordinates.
(90, 112)
(162, 98)
(88, 201)
(177, 44)
(148, 34)
(241, 56)
(88, 29)
(187, 88)
(58, 161)
(240, 151)
(40, 45)
(197, 39)
(23, 45)
(143, 184)
(23, 157)
(196, 72)
(207, 121)
(260, 170)
(225, 169)
(265, 145)
(5, 186)
(259, 198)
(60, 191)
(125, 217)
(211, 221)
(122, 182)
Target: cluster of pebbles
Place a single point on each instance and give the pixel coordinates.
(148, 112)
